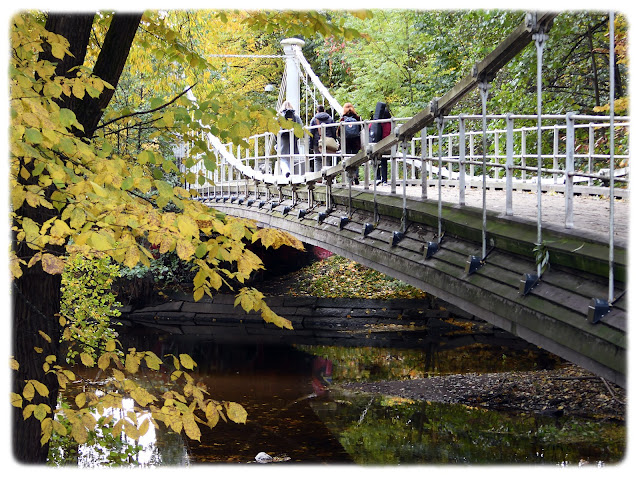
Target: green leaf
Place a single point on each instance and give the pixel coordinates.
(32, 135)
(67, 117)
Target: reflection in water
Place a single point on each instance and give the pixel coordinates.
(391, 431)
(296, 408)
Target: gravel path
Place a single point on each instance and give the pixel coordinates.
(591, 213)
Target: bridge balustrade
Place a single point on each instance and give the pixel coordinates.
(570, 152)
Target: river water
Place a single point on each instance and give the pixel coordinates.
(297, 411)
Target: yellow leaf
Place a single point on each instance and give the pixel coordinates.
(41, 388)
(28, 410)
(16, 400)
(132, 362)
(118, 375)
(81, 399)
(57, 50)
(187, 361)
(40, 411)
(110, 346)
(100, 242)
(13, 363)
(131, 431)
(212, 414)
(190, 426)
(142, 396)
(236, 412)
(153, 362)
(132, 256)
(87, 359)
(185, 249)
(79, 432)
(52, 264)
(144, 427)
(59, 428)
(104, 360)
(45, 336)
(46, 427)
(188, 226)
(198, 293)
(60, 229)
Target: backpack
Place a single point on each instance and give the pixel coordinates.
(351, 131)
(326, 119)
(289, 114)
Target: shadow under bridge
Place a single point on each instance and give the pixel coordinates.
(552, 315)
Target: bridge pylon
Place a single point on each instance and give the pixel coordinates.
(291, 46)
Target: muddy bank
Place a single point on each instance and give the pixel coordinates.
(569, 390)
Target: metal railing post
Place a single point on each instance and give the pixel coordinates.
(393, 160)
(509, 167)
(423, 157)
(591, 152)
(569, 171)
(367, 165)
(440, 125)
(611, 146)
(540, 39)
(462, 157)
(484, 93)
(523, 154)
(556, 135)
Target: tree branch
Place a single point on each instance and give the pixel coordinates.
(147, 111)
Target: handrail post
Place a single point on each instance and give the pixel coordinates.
(556, 135)
(523, 154)
(392, 159)
(306, 141)
(367, 165)
(440, 124)
(540, 39)
(423, 157)
(343, 148)
(403, 220)
(484, 93)
(462, 161)
(569, 171)
(591, 151)
(509, 167)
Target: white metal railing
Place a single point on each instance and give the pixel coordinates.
(510, 155)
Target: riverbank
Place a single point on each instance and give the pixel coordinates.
(569, 390)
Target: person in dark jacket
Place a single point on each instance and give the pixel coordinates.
(382, 112)
(316, 134)
(352, 141)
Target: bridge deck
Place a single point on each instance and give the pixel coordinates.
(591, 213)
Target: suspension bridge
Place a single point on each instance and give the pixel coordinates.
(462, 212)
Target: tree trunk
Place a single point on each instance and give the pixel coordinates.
(36, 295)
(109, 66)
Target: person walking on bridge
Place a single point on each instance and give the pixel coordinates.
(351, 134)
(378, 131)
(331, 141)
(287, 140)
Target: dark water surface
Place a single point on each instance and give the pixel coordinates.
(296, 408)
